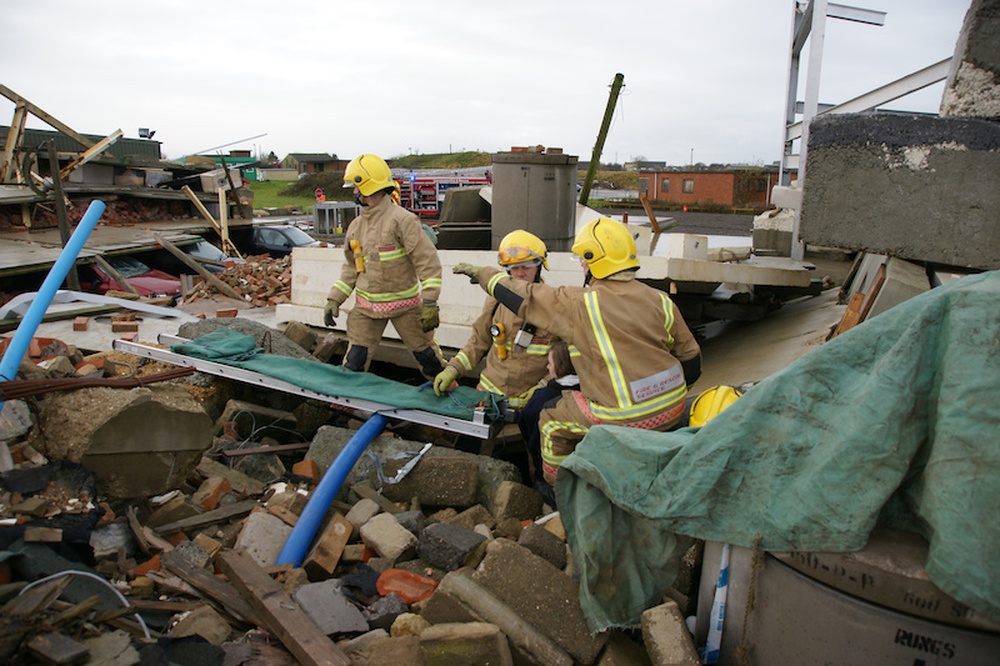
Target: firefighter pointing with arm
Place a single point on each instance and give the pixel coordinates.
(393, 268)
(636, 355)
(515, 349)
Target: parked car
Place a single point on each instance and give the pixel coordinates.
(208, 255)
(276, 241)
(147, 281)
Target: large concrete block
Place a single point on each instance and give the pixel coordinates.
(916, 187)
(973, 87)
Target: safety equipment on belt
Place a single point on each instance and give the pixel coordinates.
(499, 339)
(468, 269)
(356, 358)
(710, 403)
(369, 173)
(331, 312)
(444, 380)
(524, 336)
(522, 247)
(429, 319)
(359, 258)
(607, 246)
(430, 364)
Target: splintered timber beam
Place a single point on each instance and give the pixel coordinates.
(227, 245)
(197, 268)
(281, 614)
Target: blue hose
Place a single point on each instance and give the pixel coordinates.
(312, 516)
(57, 274)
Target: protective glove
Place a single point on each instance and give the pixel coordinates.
(468, 269)
(444, 380)
(330, 312)
(429, 319)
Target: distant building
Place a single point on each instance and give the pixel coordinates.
(716, 185)
(313, 162)
(645, 165)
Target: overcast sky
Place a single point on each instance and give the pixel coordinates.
(393, 77)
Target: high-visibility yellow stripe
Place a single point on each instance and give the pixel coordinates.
(622, 395)
(398, 253)
(389, 296)
(548, 429)
(538, 349)
(648, 408)
(430, 283)
(463, 358)
(574, 352)
(342, 286)
(668, 319)
(493, 282)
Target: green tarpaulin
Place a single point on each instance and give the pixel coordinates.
(239, 350)
(896, 423)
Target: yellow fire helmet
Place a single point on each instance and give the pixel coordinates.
(520, 247)
(710, 403)
(607, 246)
(369, 173)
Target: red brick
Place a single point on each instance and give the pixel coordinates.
(226, 313)
(125, 327)
(80, 323)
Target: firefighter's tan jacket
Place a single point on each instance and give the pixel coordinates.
(630, 340)
(515, 376)
(401, 265)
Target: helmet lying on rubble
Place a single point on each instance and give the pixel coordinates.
(607, 246)
(369, 173)
(521, 247)
(710, 403)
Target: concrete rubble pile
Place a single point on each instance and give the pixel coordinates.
(171, 502)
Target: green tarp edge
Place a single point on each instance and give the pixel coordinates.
(894, 423)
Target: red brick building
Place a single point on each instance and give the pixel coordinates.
(729, 186)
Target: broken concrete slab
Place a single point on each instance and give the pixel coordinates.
(139, 441)
(516, 500)
(263, 537)
(466, 642)
(973, 86)
(915, 187)
(448, 546)
(545, 544)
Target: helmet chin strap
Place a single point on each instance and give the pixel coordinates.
(357, 200)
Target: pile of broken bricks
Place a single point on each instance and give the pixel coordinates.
(457, 563)
(260, 281)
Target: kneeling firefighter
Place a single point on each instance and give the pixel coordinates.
(393, 268)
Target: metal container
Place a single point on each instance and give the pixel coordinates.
(535, 191)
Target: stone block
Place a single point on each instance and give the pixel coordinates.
(915, 187)
(363, 510)
(447, 546)
(408, 624)
(203, 621)
(903, 280)
(438, 481)
(402, 651)
(193, 553)
(474, 515)
(516, 500)
(545, 544)
(300, 334)
(357, 649)
(467, 642)
(388, 538)
(107, 540)
(538, 592)
(383, 613)
(667, 638)
(262, 538)
(326, 605)
(414, 521)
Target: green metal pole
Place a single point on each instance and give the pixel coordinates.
(595, 159)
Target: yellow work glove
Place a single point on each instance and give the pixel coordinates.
(429, 319)
(330, 312)
(468, 269)
(444, 380)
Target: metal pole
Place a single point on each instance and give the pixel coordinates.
(595, 159)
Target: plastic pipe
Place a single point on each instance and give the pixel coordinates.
(295, 547)
(57, 274)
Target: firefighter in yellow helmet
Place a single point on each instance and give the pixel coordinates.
(392, 267)
(516, 350)
(635, 354)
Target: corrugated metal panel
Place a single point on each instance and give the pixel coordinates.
(122, 148)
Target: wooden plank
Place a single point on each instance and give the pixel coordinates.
(15, 133)
(42, 115)
(283, 617)
(209, 517)
(227, 245)
(873, 292)
(91, 153)
(197, 268)
(211, 586)
(649, 213)
(852, 316)
(116, 276)
(325, 555)
(240, 482)
(277, 448)
(56, 648)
